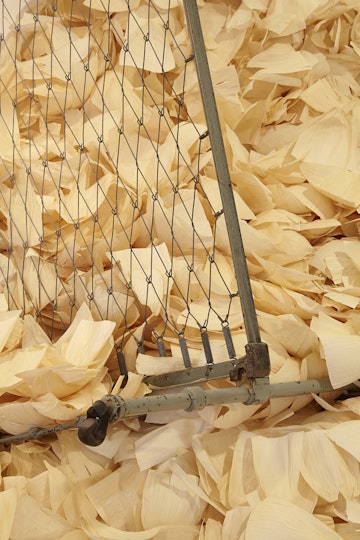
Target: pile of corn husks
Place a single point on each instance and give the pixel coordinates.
(287, 81)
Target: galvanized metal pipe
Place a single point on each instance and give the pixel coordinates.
(195, 398)
(192, 398)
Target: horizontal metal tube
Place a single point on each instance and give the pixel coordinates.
(189, 399)
(300, 388)
(193, 398)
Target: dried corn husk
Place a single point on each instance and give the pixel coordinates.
(91, 219)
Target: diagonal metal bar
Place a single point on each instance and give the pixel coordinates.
(222, 171)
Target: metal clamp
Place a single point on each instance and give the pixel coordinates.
(92, 431)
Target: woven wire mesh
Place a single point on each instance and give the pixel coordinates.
(108, 193)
